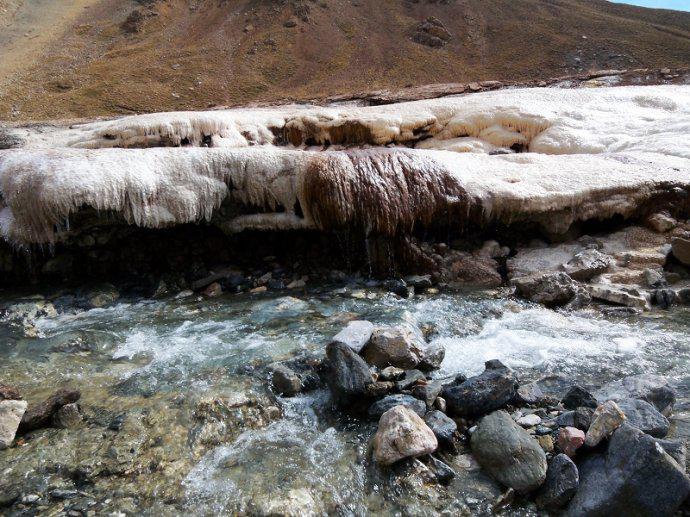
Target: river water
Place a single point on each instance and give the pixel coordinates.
(152, 364)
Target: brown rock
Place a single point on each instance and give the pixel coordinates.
(570, 440)
(9, 393)
(681, 249)
(40, 415)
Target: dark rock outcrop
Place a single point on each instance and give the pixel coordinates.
(562, 481)
(347, 374)
(486, 392)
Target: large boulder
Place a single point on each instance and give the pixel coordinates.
(634, 476)
(478, 395)
(348, 374)
(11, 413)
(550, 289)
(402, 434)
(402, 346)
(355, 335)
(647, 386)
(508, 452)
(379, 407)
(625, 296)
(643, 416)
(587, 264)
(562, 480)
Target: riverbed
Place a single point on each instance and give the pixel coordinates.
(178, 415)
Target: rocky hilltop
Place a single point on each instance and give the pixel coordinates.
(98, 57)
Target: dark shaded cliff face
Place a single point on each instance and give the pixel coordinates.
(122, 56)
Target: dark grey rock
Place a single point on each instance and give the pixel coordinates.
(549, 289)
(490, 390)
(410, 378)
(643, 416)
(577, 397)
(508, 452)
(582, 418)
(348, 374)
(419, 282)
(562, 481)
(650, 387)
(529, 394)
(443, 472)
(398, 287)
(355, 335)
(664, 298)
(566, 419)
(427, 392)
(634, 476)
(443, 427)
(379, 407)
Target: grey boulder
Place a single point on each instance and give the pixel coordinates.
(647, 386)
(355, 335)
(643, 416)
(348, 374)
(508, 452)
(550, 289)
(634, 476)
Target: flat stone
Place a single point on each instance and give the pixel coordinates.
(379, 407)
(402, 434)
(645, 417)
(619, 296)
(570, 440)
(355, 335)
(11, 413)
(490, 390)
(529, 420)
(529, 394)
(561, 484)
(508, 452)
(606, 419)
(634, 476)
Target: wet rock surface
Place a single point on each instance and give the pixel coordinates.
(402, 434)
(493, 389)
(508, 452)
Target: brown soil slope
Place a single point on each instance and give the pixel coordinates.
(122, 56)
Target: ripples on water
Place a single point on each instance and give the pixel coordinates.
(182, 344)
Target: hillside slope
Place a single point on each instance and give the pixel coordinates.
(122, 56)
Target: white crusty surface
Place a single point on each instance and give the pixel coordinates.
(589, 153)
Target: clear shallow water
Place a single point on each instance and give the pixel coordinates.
(134, 355)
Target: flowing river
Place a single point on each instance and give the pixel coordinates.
(151, 373)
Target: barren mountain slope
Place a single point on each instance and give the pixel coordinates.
(123, 56)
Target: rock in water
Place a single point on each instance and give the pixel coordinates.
(562, 480)
(643, 416)
(550, 289)
(650, 387)
(67, 417)
(508, 452)
(635, 476)
(490, 390)
(402, 347)
(9, 393)
(587, 264)
(606, 419)
(402, 434)
(41, 414)
(443, 427)
(355, 335)
(570, 440)
(577, 397)
(378, 408)
(11, 412)
(284, 381)
(349, 375)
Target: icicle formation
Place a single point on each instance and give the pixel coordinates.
(549, 156)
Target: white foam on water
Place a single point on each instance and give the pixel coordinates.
(554, 342)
